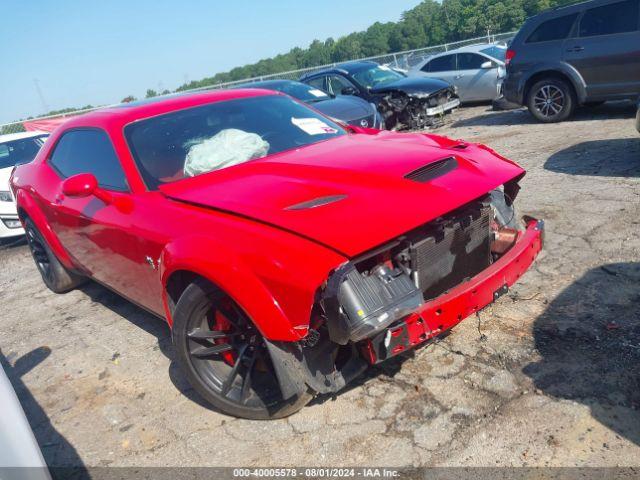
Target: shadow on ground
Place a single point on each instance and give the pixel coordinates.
(619, 110)
(152, 325)
(56, 449)
(607, 158)
(589, 341)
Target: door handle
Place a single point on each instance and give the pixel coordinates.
(575, 49)
(458, 77)
(59, 198)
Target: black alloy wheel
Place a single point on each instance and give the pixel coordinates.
(226, 358)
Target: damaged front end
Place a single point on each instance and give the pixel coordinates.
(410, 110)
(416, 287)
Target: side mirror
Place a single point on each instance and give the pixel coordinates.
(84, 185)
(80, 186)
(488, 65)
(348, 91)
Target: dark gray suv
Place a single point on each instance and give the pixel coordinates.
(582, 54)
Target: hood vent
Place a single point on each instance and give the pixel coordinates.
(433, 170)
(316, 202)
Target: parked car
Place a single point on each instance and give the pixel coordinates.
(412, 103)
(15, 149)
(638, 116)
(20, 455)
(286, 253)
(347, 109)
(581, 54)
(476, 71)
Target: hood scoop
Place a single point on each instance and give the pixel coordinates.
(433, 170)
(316, 202)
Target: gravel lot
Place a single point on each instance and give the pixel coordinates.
(550, 375)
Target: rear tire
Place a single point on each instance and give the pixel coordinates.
(55, 276)
(551, 100)
(225, 358)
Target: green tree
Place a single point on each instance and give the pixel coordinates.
(151, 93)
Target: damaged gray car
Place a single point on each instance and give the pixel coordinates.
(404, 103)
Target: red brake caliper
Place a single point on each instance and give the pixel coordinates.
(222, 324)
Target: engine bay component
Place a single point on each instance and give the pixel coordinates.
(414, 112)
(372, 300)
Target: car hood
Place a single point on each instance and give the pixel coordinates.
(350, 193)
(345, 108)
(412, 86)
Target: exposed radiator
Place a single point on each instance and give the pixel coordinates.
(459, 249)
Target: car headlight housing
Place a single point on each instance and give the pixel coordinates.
(5, 196)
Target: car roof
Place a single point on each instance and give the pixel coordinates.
(126, 113)
(348, 67)
(21, 135)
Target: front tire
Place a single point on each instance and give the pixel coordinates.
(55, 276)
(225, 358)
(551, 100)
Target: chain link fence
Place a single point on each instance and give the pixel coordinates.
(399, 60)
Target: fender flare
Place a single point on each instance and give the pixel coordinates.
(223, 267)
(563, 68)
(27, 204)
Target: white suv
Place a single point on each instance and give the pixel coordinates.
(15, 149)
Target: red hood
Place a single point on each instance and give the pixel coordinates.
(367, 172)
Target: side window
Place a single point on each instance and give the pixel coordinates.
(555, 29)
(318, 83)
(446, 63)
(470, 61)
(609, 19)
(337, 83)
(89, 151)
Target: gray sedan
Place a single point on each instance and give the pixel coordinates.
(476, 71)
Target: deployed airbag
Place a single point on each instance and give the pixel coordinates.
(226, 148)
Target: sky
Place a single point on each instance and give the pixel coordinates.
(78, 52)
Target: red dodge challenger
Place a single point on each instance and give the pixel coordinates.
(286, 252)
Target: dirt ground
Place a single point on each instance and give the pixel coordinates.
(549, 375)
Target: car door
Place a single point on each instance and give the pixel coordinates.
(474, 82)
(443, 67)
(98, 235)
(606, 49)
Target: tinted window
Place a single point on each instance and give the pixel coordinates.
(556, 29)
(337, 83)
(317, 82)
(470, 61)
(614, 18)
(222, 134)
(18, 152)
(89, 151)
(442, 64)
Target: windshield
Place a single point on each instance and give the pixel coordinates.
(202, 139)
(21, 151)
(377, 76)
(499, 53)
(300, 91)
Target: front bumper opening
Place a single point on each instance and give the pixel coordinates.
(385, 297)
(444, 312)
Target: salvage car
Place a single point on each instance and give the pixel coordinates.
(412, 103)
(285, 252)
(347, 109)
(476, 71)
(15, 149)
